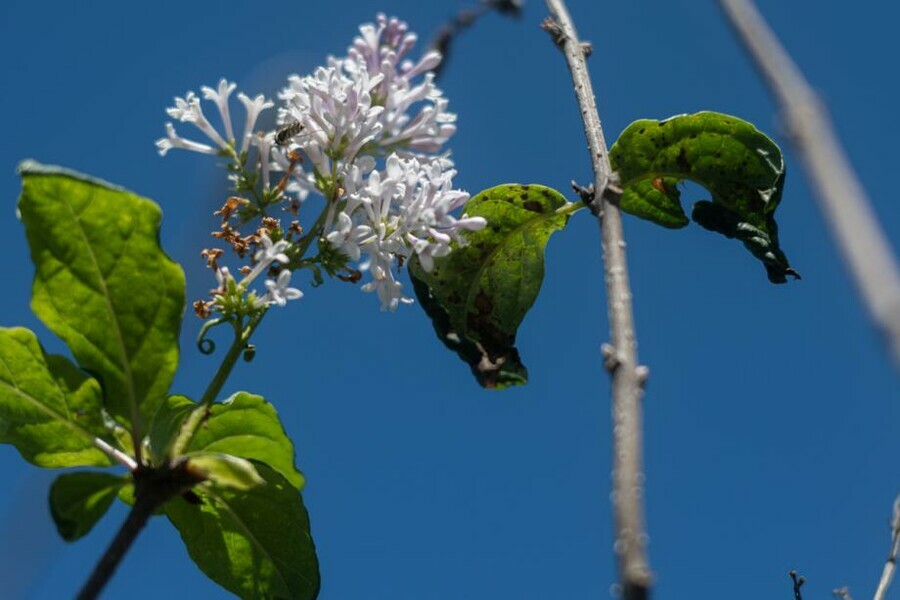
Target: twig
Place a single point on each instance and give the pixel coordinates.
(843, 200)
(798, 583)
(621, 357)
(466, 18)
(890, 565)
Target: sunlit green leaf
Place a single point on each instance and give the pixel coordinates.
(78, 500)
(254, 543)
(224, 470)
(103, 284)
(478, 295)
(49, 410)
(247, 426)
(742, 169)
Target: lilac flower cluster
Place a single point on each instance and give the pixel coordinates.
(370, 129)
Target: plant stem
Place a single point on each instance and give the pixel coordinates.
(241, 338)
(842, 199)
(110, 560)
(305, 241)
(621, 358)
(153, 488)
(242, 335)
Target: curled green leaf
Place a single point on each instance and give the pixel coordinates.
(478, 295)
(741, 168)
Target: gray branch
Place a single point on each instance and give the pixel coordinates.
(842, 199)
(620, 358)
(890, 565)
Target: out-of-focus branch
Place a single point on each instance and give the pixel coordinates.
(798, 580)
(843, 593)
(620, 358)
(843, 200)
(464, 19)
(890, 565)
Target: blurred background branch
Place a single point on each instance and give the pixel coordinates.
(843, 200)
(465, 18)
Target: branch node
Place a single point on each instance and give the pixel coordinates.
(552, 26)
(587, 49)
(643, 373)
(612, 188)
(586, 193)
(611, 360)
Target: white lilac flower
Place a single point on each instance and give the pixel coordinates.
(278, 291)
(389, 290)
(220, 97)
(173, 140)
(271, 251)
(381, 50)
(369, 103)
(336, 112)
(254, 107)
(346, 236)
(394, 214)
(268, 253)
(188, 110)
(263, 143)
(428, 226)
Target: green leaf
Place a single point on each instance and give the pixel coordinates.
(49, 410)
(78, 500)
(166, 425)
(103, 284)
(478, 295)
(247, 426)
(741, 168)
(254, 543)
(224, 470)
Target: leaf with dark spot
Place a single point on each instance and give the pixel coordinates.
(478, 295)
(741, 168)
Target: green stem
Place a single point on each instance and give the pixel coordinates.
(305, 241)
(570, 208)
(242, 336)
(244, 174)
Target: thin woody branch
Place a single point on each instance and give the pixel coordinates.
(843, 200)
(620, 357)
(890, 565)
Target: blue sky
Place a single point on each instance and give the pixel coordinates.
(771, 411)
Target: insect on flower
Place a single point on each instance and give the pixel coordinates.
(284, 135)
